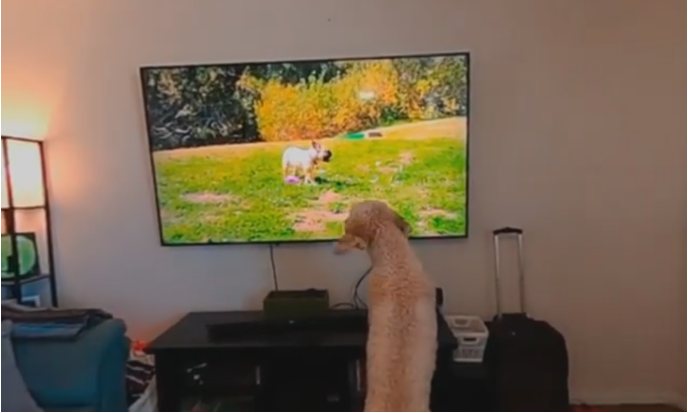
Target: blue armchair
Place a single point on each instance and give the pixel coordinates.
(88, 374)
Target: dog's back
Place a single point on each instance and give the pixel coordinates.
(295, 156)
(402, 341)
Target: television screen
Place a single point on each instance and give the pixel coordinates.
(278, 151)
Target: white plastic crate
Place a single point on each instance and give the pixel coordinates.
(472, 335)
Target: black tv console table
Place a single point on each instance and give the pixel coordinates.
(299, 371)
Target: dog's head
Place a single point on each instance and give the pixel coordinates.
(365, 222)
(320, 152)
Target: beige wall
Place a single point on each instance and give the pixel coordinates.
(682, 358)
(577, 135)
(681, 374)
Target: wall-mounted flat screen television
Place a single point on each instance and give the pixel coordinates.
(277, 152)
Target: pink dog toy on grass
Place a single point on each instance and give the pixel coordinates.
(292, 179)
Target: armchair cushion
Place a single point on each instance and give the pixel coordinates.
(84, 374)
(15, 395)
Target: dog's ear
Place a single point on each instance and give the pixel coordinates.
(349, 243)
(402, 224)
(315, 144)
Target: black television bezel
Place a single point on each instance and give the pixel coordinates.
(164, 243)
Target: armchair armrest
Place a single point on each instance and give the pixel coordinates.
(89, 372)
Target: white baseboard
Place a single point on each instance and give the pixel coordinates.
(630, 397)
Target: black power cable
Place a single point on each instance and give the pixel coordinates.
(275, 283)
(358, 301)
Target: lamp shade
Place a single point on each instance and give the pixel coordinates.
(25, 173)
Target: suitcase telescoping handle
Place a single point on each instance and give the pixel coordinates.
(497, 235)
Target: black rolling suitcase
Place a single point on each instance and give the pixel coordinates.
(528, 358)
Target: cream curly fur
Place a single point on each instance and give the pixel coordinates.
(402, 341)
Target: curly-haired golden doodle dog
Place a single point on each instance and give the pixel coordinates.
(402, 341)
